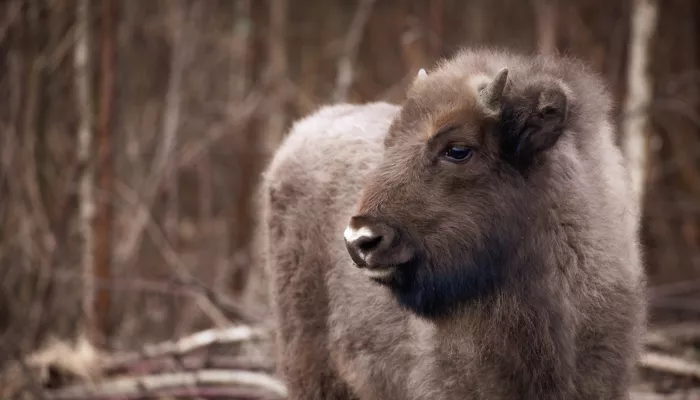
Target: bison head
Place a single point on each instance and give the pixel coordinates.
(444, 218)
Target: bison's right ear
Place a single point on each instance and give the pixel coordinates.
(533, 122)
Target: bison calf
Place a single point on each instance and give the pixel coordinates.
(478, 242)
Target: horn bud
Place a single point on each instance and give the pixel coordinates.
(421, 74)
(491, 94)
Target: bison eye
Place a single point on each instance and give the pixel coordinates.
(457, 153)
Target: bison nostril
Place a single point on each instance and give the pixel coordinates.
(367, 243)
(362, 243)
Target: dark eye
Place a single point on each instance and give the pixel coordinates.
(457, 153)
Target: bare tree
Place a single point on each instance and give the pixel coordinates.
(344, 76)
(437, 27)
(163, 167)
(546, 16)
(83, 74)
(635, 124)
(277, 70)
(239, 50)
(173, 99)
(241, 74)
(105, 172)
(271, 127)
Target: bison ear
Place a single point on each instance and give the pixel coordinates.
(533, 123)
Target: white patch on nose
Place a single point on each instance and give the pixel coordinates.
(352, 234)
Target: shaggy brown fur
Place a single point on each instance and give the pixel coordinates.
(520, 274)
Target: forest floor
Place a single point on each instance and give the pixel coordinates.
(236, 363)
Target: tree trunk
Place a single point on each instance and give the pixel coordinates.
(83, 94)
(635, 124)
(546, 14)
(244, 67)
(277, 72)
(347, 59)
(103, 221)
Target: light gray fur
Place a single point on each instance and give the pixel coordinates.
(344, 337)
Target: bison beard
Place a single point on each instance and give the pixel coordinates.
(434, 288)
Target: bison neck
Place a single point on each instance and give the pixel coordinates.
(509, 340)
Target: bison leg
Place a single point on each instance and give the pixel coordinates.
(297, 270)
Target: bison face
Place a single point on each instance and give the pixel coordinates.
(442, 219)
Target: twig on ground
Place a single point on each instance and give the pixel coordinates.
(237, 393)
(674, 335)
(659, 341)
(134, 386)
(187, 344)
(640, 395)
(670, 364)
(191, 363)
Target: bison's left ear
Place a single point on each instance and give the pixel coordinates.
(533, 121)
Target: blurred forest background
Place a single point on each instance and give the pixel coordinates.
(132, 135)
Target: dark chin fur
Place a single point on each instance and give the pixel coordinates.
(435, 291)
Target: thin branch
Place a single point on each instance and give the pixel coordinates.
(32, 110)
(176, 264)
(243, 112)
(205, 298)
(546, 17)
(169, 288)
(12, 12)
(83, 73)
(276, 72)
(163, 161)
(344, 76)
(240, 51)
(103, 223)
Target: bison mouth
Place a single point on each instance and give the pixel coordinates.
(390, 275)
(388, 270)
(383, 274)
